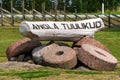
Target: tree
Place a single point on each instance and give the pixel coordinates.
(83, 6)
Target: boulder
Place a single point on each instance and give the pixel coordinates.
(30, 61)
(27, 57)
(60, 57)
(84, 68)
(36, 55)
(25, 45)
(13, 58)
(96, 58)
(38, 52)
(92, 41)
(21, 57)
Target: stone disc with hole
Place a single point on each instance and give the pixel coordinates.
(25, 45)
(92, 41)
(60, 57)
(38, 52)
(96, 58)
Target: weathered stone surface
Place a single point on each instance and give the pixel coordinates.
(92, 41)
(96, 58)
(83, 68)
(38, 52)
(25, 45)
(61, 57)
(21, 57)
(13, 58)
(30, 61)
(18, 65)
(37, 55)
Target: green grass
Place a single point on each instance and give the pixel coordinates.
(47, 73)
(7, 36)
(109, 37)
(30, 74)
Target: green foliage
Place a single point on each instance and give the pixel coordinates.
(82, 6)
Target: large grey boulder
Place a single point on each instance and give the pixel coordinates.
(38, 52)
(37, 55)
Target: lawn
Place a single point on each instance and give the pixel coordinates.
(109, 37)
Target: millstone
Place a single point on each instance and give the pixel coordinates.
(92, 41)
(25, 45)
(60, 57)
(38, 52)
(96, 58)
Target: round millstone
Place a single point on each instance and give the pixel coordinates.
(38, 52)
(25, 45)
(92, 41)
(96, 58)
(60, 57)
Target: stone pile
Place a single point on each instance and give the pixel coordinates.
(85, 52)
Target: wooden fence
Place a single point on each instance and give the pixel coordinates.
(15, 17)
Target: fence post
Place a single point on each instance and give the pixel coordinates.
(55, 12)
(109, 21)
(76, 15)
(12, 16)
(43, 11)
(33, 7)
(1, 13)
(64, 11)
(23, 11)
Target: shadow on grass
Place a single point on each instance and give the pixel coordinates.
(83, 72)
(111, 29)
(31, 74)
